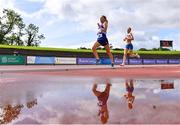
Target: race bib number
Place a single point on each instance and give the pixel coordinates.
(100, 35)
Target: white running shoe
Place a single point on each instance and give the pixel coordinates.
(122, 64)
(138, 56)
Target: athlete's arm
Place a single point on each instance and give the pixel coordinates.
(132, 37)
(105, 27)
(98, 26)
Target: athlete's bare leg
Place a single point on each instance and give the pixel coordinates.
(131, 54)
(124, 57)
(109, 53)
(95, 46)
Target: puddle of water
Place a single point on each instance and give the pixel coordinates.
(66, 100)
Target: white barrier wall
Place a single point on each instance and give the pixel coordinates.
(61, 60)
(50, 60)
(31, 59)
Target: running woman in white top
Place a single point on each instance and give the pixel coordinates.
(128, 51)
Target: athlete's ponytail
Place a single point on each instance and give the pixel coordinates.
(104, 18)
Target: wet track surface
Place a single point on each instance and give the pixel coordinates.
(47, 98)
(90, 96)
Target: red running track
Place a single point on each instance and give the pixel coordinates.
(133, 71)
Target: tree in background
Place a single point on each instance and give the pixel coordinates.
(143, 49)
(33, 38)
(13, 31)
(20, 34)
(7, 23)
(16, 37)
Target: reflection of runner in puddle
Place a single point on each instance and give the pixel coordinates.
(102, 98)
(129, 95)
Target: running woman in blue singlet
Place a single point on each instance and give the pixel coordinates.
(102, 40)
(128, 51)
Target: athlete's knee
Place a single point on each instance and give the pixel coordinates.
(94, 87)
(108, 51)
(108, 88)
(131, 55)
(126, 54)
(94, 90)
(94, 48)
